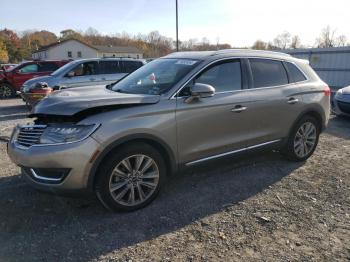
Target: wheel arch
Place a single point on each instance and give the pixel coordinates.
(164, 149)
(315, 113)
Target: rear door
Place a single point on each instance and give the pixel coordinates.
(208, 127)
(110, 71)
(276, 100)
(83, 74)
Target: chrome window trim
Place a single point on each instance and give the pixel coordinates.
(231, 152)
(280, 60)
(174, 96)
(96, 126)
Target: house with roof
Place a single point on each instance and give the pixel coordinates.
(75, 49)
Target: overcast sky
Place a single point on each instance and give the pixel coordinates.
(238, 23)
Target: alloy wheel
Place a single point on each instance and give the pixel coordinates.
(133, 180)
(5, 91)
(305, 139)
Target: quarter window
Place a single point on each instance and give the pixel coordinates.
(295, 75)
(268, 72)
(225, 76)
(130, 66)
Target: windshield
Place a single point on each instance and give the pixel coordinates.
(63, 68)
(156, 77)
(14, 67)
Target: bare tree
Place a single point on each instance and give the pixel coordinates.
(92, 32)
(282, 41)
(295, 42)
(327, 38)
(341, 40)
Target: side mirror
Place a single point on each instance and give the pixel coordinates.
(199, 90)
(70, 74)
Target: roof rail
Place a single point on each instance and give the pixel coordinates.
(232, 50)
(119, 57)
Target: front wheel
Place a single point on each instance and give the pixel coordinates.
(6, 91)
(131, 178)
(303, 139)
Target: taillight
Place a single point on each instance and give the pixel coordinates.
(327, 91)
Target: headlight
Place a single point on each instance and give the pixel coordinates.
(66, 133)
(24, 88)
(339, 93)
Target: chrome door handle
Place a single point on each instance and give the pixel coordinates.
(293, 100)
(103, 78)
(239, 109)
(92, 79)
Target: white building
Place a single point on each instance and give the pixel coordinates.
(75, 49)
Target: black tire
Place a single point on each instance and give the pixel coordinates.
(104, 175)
(289, 151)
(7, 91)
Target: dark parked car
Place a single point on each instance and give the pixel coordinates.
(177, 111)
(12, 79)
(341, 102)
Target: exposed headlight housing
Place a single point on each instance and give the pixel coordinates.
(57, 134)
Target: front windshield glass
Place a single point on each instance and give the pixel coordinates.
(156, 77)
(63, 68)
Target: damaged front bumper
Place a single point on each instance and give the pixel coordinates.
(62, 167)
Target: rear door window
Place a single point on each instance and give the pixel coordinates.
(295, 75)
(130, 66)
(268, 72)
(48, 67)
(109, 67)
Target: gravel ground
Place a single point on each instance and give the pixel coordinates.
(257, 208)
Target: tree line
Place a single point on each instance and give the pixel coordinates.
(16, 47)
(327, 38)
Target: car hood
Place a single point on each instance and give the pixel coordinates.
(75, 100)
(35, 80)
(346, 90)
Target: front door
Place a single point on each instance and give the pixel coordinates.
(208, 127)
(84, 74)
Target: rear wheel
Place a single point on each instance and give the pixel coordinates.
(303, 139)
(6, 91)
(131, 178)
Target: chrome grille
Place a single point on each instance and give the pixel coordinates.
(30, 135)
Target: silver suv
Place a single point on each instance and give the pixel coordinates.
(87, 72)
(180, 110)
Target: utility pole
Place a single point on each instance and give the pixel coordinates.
(177, 28)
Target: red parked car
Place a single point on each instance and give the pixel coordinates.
(12, 79)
